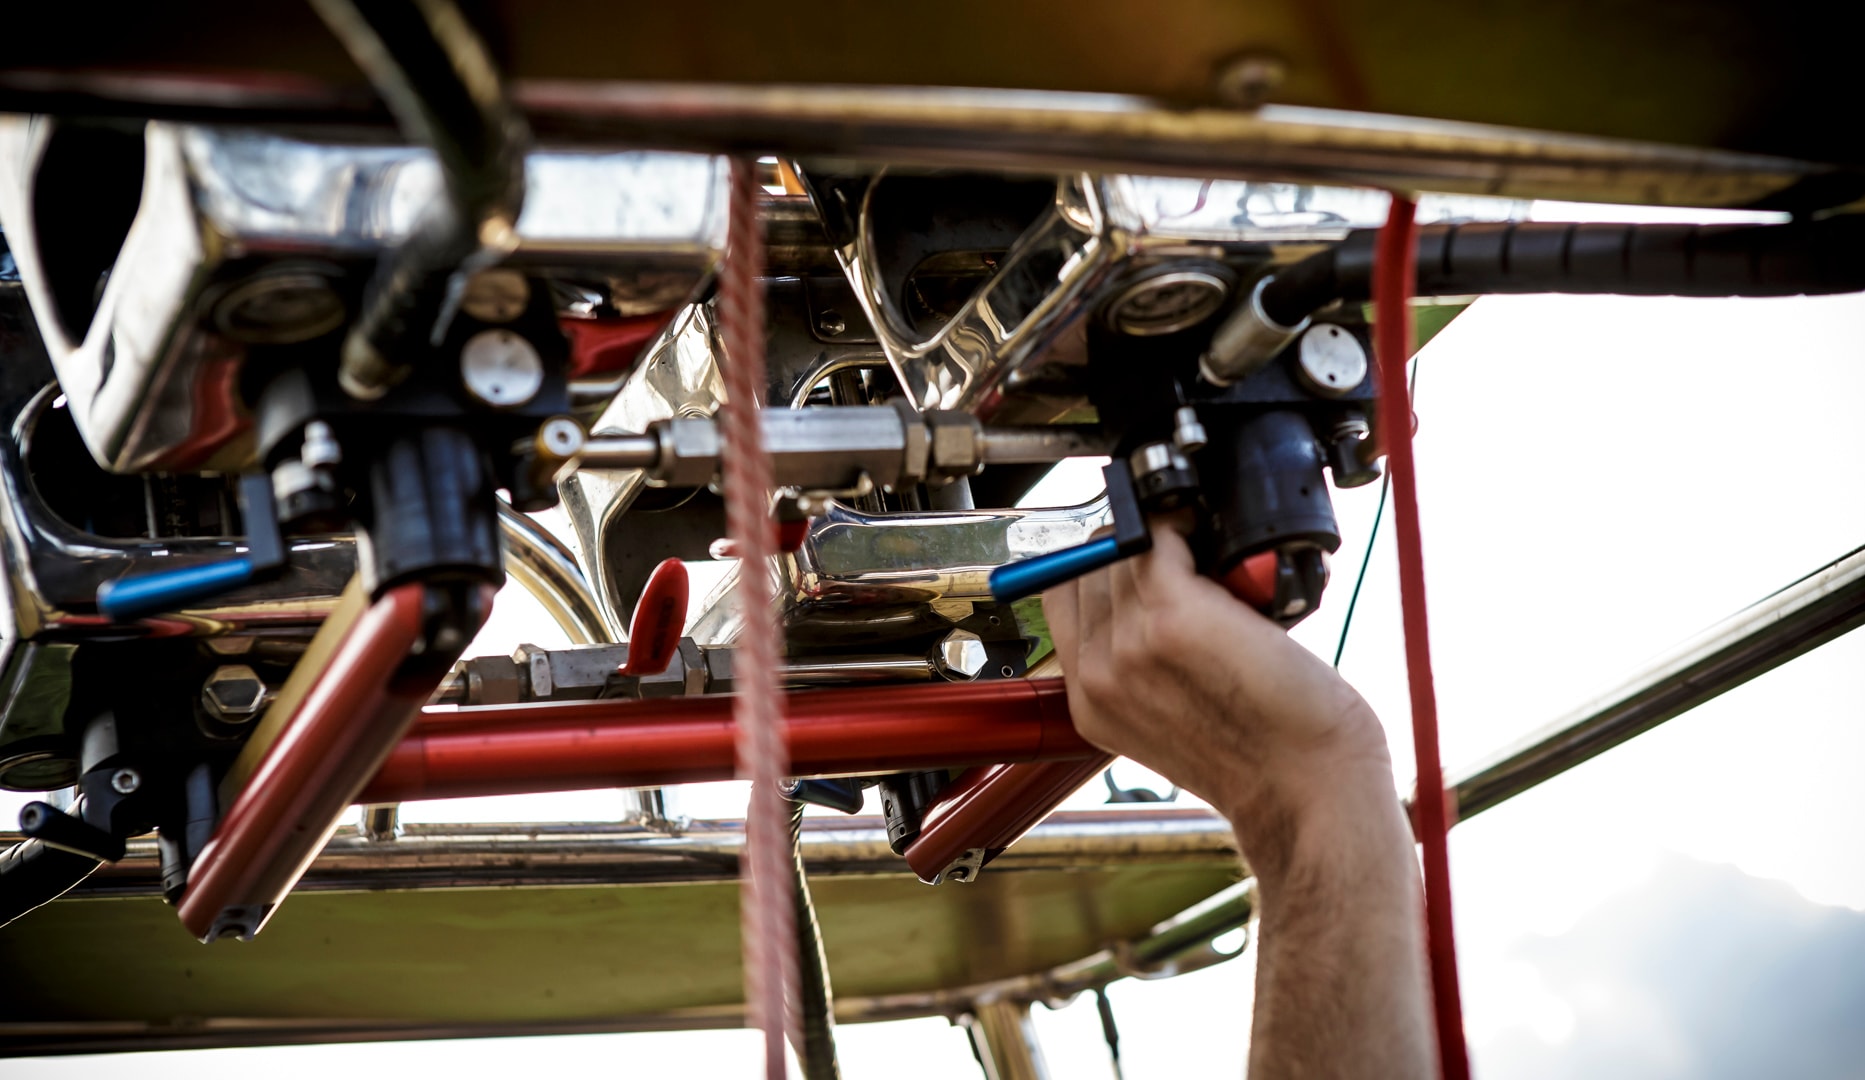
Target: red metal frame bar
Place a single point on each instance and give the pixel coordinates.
(522, 749)
(988, 808)
(347, 724)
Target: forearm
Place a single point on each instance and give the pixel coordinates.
(1341, 983)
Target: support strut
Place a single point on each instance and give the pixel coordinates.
(352, 718)
(567, 746)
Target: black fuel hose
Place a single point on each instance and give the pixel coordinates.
(438, 79)
(1811, 258)
(33, 873)
(818, 1004)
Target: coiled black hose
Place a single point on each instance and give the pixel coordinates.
(1810, 258)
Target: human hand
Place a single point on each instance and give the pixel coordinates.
(1166, 667)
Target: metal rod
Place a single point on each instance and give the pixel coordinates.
(568, 746)
(479, 856)
(1038, 445)
(1060, 131)
(1799, 618)
(620, 452)
(986, 809)
(1046, 131)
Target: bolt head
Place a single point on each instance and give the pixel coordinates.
(234, 694)
(961, 655)
(831, 324)
(125, 781)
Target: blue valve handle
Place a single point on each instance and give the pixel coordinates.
(131, 598)
(1027, 577)
(138, 596)
(1014, 581)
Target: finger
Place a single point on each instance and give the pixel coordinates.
(1094, 611)
(1061, 607)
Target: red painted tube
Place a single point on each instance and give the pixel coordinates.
(989, 808)
(339, 736)
(457, 752)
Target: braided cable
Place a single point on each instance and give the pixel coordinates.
(767, 920)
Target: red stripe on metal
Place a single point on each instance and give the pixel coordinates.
(568, 746)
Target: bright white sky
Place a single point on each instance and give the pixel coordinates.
(1600, 478)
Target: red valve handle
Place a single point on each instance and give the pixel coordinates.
(660, 614)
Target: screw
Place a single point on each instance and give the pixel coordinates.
(960, 873)
(831, 323)
(1247, 81)
(125, 781)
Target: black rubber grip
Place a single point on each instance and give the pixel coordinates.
(1802, 259)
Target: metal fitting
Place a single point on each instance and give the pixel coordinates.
(1188, 432)
(1331, 361)
(496, 296)
(964, 869)
(1347, 446)
(234, 694)
(501, 368)
(1165, 303)
(957, 443)
(1247, 341)
(321, 449)
(125, 781)
(961, 655)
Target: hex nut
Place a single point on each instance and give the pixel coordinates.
(234, 694)
(961, 655)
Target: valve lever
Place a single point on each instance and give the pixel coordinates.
(1027, 577)
(660, 614)
(129, 598)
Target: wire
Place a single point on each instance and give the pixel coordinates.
(1372, 534)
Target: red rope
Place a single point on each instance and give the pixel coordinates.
(767, 917)
(1395, 270)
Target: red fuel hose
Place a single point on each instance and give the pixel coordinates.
(1394, 271)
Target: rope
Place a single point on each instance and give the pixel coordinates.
(767, 919)
(1395, 269)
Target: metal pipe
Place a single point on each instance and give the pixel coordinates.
(322, 758)
(996, 129)
(987, 808)
(546, 569)
(620, 452)
(1799, 618)
(481, 856)
(1067, 132)
(456, 752)
(1039, 445)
